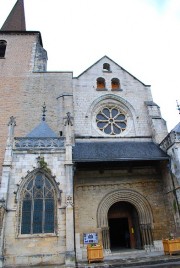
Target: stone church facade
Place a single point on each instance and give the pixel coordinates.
(82, 159)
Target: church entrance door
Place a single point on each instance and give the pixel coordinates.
(124, 228)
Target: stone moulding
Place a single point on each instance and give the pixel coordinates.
(136, 199)
(169, 140)
(38, 143)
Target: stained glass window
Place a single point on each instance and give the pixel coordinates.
(111, 120)
(38, 206)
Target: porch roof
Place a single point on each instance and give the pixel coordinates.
(117, 151)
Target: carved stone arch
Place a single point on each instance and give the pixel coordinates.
(112, 99)
(24, 181)
(97, 101)
(133, 197)
(20, 197)
(138, 201)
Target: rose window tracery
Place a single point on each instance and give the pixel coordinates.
(111, 120)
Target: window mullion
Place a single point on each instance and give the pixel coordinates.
(39, 214)
(43, 214)
(32, 210)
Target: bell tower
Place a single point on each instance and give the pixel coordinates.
(21, 56)
(20, 50)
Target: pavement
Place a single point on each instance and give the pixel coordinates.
(128, 258)
(134, 258)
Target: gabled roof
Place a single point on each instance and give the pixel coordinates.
(106, 57)
(117, 151)
(16, 19)
(42, 131)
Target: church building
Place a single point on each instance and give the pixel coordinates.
(83, 160)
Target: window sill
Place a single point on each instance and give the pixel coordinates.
(101, 89)
(117, 89)
(25, 236)
(106, 71)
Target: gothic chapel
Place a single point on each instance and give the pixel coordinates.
(83, 159)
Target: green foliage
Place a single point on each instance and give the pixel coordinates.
(43, 165)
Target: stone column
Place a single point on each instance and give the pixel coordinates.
(70, 243)
(70, 249)
(106, 239)
(6, 172)
(146, 233)
(7, 160)
(65, 101)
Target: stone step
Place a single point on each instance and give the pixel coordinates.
(130, 259)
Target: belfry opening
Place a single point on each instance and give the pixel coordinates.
(124, 229)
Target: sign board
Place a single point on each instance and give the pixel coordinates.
(91, 238)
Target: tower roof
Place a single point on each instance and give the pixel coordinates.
(42, 131)
(16, 19)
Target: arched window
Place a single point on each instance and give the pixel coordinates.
(101, 84)
(3, 44)
(115, 84)
(38, 206)
(106, 67)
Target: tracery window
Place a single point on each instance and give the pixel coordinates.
(111, 120)
(3, 44)
(38, 206)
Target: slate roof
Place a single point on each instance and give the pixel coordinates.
(176, 128)
(117, 151)
(151, 103)
(42, 131)
(16, 19)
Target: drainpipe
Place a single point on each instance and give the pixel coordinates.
(174, 188)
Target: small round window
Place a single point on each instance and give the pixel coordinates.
(111, 120)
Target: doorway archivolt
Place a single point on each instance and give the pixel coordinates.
(138, 201)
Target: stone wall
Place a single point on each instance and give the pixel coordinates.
(34, 249)
(92, 186)
(23, 91)
(131, 95)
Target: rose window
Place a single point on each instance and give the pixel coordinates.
(111, 120)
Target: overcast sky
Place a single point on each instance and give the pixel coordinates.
(142, 36)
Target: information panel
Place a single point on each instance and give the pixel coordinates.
(91, 238)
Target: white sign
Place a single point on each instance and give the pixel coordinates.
(91, 238)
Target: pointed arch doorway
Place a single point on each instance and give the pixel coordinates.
(137, 211)
(124, 229)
